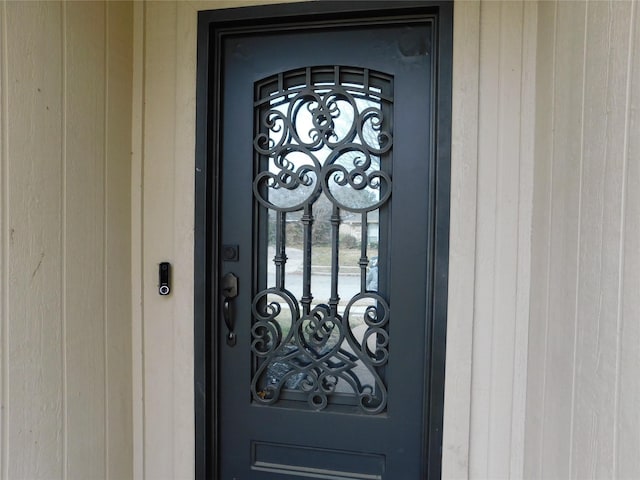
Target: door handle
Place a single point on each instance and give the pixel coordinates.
(229, 292)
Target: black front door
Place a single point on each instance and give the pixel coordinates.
(327, 358)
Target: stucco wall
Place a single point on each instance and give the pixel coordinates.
(583, 419)
(65, 137)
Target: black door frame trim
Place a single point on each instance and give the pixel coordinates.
(213, 25)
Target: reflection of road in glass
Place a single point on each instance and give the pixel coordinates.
(348, 283)
(348, 287)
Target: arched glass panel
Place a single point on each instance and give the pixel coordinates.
(322, 186)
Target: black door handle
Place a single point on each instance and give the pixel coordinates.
(229, 292)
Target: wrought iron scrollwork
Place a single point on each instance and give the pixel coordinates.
(321, 135)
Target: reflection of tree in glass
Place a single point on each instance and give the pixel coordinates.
(322, 210)
(342, 122)
(343, 115)
(346, 195)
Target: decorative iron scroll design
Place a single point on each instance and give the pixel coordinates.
(321, 132)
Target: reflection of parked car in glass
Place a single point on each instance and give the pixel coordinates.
(372, 275)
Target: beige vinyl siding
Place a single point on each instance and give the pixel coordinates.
(65, 123)
(491, 197)
(583, 419)
(543, 332)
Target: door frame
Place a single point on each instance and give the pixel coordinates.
(213, 26)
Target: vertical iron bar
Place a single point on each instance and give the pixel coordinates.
(335, 248)
(364, 261)
(307, 223)
(280, 258)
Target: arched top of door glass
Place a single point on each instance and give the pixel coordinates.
(359, 81)
(323, 128)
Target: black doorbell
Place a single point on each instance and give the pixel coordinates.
(164, 287)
